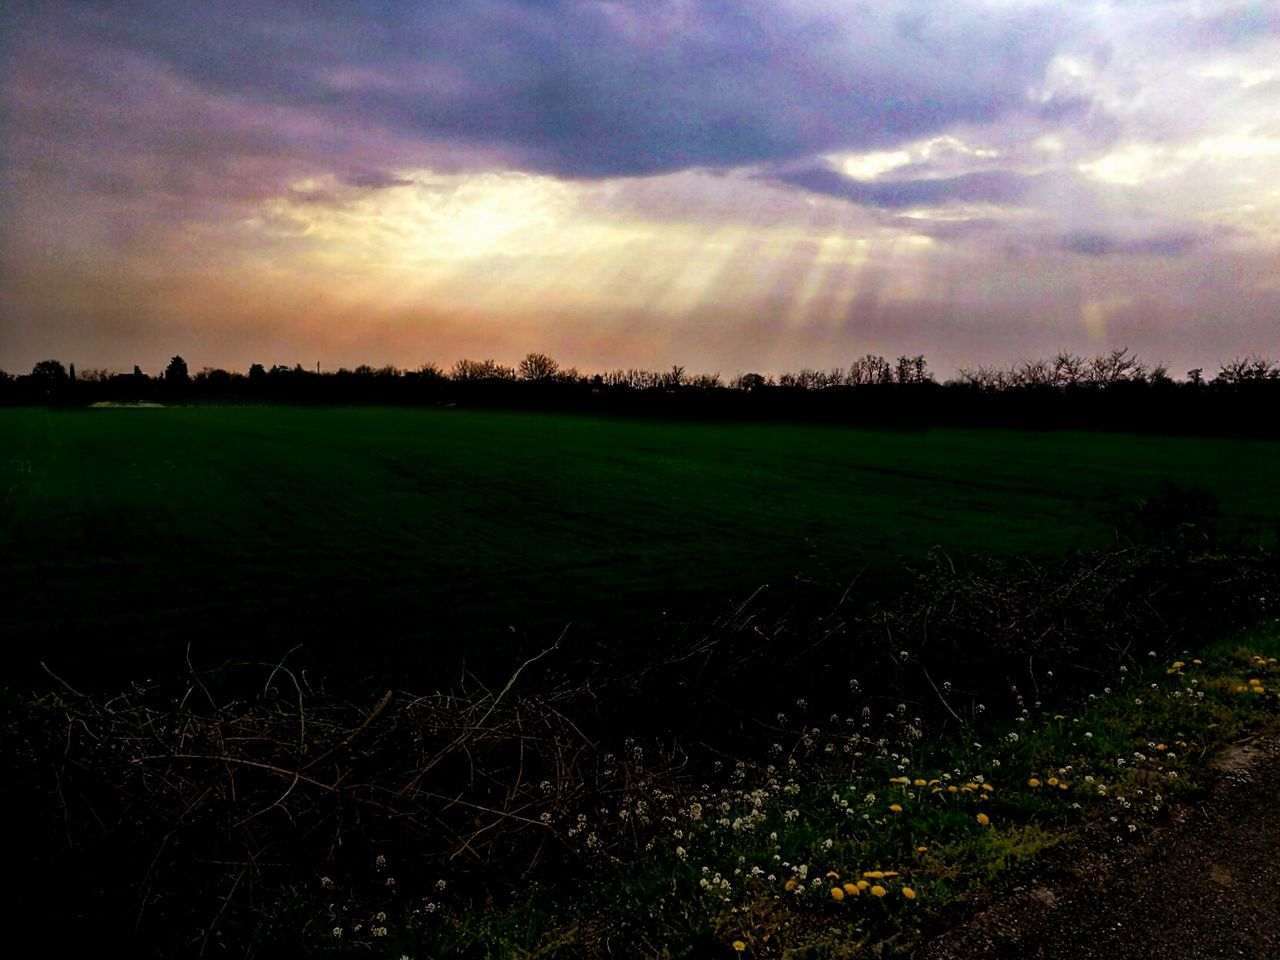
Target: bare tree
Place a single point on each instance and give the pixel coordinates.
(465, 370)
(538, 366)
(1108, 369)
(869, 370)
(1035, 373)
(1068, 369)
(1246, 369)
(675, 377)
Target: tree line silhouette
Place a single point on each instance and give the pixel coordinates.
(1115, 390)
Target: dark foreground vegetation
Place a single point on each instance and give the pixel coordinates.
(1112, 391)
(753, 783)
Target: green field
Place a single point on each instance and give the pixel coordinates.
(431, 532)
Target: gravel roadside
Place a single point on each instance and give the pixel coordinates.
(1205, 887)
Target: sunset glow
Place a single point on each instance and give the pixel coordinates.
(638, 183)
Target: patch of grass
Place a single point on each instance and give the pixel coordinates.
(441, 535)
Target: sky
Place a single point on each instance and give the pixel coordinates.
(731, 185)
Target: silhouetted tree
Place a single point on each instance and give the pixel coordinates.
(49, 380)
(1111, 390)
(912, 369)
(1246, 369)
(1035, 373)
(673, 378)
(1115, 367)
(465, 370)
(869, 370)
(175, 373)
(213, 380)
(538, 366)
(1068, 369)
(49, 371)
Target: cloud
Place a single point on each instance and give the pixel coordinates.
(374, 180)
(1240, 23)
(652, 176)
(1000, 187)
(629, 87)
(1103, 244)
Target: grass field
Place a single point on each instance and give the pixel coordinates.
(425, 532)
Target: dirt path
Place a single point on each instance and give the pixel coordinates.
(1206, 887)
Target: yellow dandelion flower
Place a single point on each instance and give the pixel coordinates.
(1063, 786)
(922, 849)
(791, 884)
(832, 875)
(988, 788)
(1197, 662)
(862, 884)
(936, 790)
(1033, 782)
(919, 782)
(1241, 688)
(952, 789)
(874, 874)
(739, 946)
(908, 893)
(886, 874)
(878, 891)
(983, 819)
(1254, 681)
(895, 807)
(1178, 665)
(1161, 747)
(837, 894)
(1053, 781)
(852, 889)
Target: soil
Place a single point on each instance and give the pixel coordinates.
(1204, 887)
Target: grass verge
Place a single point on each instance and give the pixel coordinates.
(849, 842)
(740, 791)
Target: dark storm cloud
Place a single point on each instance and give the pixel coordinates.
(1102, 244)
(996, 186)
(600, 89)
(373, 180)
